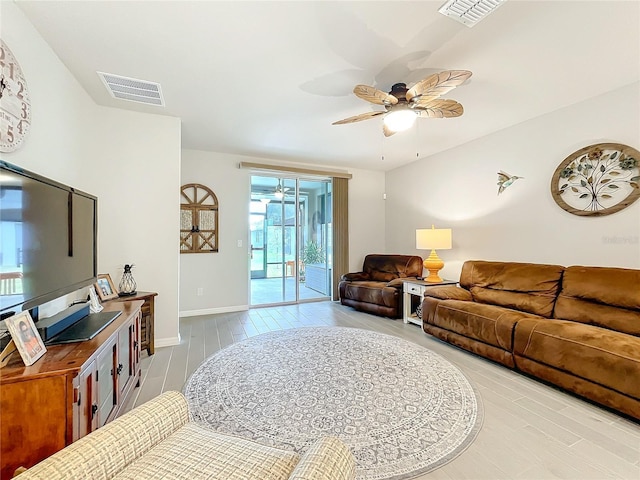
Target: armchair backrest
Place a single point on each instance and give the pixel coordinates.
(384, 268)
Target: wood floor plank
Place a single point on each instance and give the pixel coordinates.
(530, 430)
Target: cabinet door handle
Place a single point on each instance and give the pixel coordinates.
(119, 368)
(79, 398)
(94, 409)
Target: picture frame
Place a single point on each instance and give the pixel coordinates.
(26, 338)
(105, 287)
(94, 302)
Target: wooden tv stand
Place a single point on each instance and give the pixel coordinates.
(147, 321)
(72, 390)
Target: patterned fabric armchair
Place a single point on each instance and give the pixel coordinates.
(377, 288)
(158, 440)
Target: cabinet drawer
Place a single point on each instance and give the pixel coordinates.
(414, 289)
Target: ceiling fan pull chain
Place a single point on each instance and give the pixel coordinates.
(417, 138)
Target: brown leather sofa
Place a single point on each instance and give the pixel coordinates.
(377, 288)
(576, 327)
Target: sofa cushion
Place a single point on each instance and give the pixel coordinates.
(195, 451)
(606, 297)
(528, 287)
(485, 323)
(609, 358)
(372, 292)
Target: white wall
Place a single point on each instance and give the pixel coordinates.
(457, 189)
(130, 161)
(137, 181)
(224, 276)
(366, 216)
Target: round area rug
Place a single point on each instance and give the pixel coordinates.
(402, 409)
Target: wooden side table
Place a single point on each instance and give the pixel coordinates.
(417, 287)
(148, 318)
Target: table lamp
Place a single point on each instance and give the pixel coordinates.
(433, 239)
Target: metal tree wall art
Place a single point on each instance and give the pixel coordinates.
(597, 180)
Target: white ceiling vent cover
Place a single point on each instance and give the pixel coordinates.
(132, 89)
(469, 12)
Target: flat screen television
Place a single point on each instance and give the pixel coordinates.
(48, 239)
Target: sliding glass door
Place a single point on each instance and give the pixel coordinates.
(290, 225)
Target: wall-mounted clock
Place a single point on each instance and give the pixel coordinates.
(15, 104)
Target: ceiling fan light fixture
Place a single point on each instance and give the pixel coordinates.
(400, 120)
(278, 192)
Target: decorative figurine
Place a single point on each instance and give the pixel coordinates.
(127, 284)
(504, 180)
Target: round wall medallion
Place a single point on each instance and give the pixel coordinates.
(597, 180)
(15, 104)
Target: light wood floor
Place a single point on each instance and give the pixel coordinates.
(530, 430)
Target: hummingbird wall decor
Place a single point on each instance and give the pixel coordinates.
(504, 180)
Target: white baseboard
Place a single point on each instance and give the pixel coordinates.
(210, 311)
(167, 342)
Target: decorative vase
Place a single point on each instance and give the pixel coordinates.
(127, 284)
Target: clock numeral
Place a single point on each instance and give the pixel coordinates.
(2, 57)
(20, 127)
(20, 90)
(10, 133)
(24, 111)
(11, 65)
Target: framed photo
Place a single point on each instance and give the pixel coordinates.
(105, 287)
(26, 337)
(94, 301)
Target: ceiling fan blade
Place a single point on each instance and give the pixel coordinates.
(387, 131)
(440, 109)
(437, 85)
(358, 118)
(374, 95)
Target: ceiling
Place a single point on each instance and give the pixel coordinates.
(266, 79)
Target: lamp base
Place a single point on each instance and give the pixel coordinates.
(433, 264)
(130, 294)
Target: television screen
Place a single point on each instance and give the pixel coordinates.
(47, 239)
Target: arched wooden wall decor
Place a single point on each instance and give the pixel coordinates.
(198, 219)
(597, 180)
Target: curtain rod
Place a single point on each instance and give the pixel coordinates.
(306, 171)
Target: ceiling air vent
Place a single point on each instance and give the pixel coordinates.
(469, 12)
(132, 89)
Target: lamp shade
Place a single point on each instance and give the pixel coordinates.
(433, 238)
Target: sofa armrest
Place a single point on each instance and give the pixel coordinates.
(108, 450)
(327, 459)
(356, 276)
(449, 292)
(399, 282)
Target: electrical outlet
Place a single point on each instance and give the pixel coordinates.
(200, 291)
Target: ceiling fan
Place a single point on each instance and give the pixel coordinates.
(403, 105)
(279, 192)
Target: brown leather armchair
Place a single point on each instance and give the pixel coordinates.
(377, 288)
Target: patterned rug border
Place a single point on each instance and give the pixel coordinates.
(447, 458)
